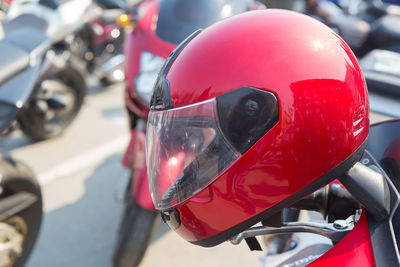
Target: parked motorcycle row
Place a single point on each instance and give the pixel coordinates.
(371, 28)
(50, 47)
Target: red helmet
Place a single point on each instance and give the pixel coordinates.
(249, 116)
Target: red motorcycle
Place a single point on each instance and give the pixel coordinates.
(374, 239)
(157, 27)
(367, 238)
(237, 136)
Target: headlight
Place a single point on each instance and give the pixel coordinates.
(150, 66)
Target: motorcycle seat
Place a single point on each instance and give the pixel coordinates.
(386, 30)
(22, 21)
(33, 41)
(19, 49)
(384, 83)
(13, 60)
(352, 29)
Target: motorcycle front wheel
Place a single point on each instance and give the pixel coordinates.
(54, 105)
(136, 231)
(19, 231)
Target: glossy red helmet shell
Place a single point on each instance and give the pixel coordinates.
(320, 131)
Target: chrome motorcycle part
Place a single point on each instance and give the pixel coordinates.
(324, 229)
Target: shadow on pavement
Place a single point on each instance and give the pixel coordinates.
(16, 138)
(82, 233)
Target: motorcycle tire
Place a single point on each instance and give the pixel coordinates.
(16, 178)
(136, 231)
(33, 119)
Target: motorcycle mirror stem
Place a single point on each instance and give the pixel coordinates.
(370, 188)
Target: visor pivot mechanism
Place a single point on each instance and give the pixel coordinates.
(171, 217)
(251, 107)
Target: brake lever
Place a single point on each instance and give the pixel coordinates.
(334, 231)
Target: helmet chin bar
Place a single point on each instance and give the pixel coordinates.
(334, 231)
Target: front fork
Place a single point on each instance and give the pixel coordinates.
(135, 159)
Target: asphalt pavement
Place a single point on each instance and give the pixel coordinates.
(80, 172)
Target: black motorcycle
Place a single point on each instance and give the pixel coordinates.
(100, 42)
(23, 56)
(39, 81)
(371, 29)
(20, 212)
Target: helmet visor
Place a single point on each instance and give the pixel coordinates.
(185, 151)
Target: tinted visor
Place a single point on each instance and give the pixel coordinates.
(177, 19)
(186, 151)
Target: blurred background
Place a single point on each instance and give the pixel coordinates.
(75, 84)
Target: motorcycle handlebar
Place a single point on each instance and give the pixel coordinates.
(364, 186)
(332, 201)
